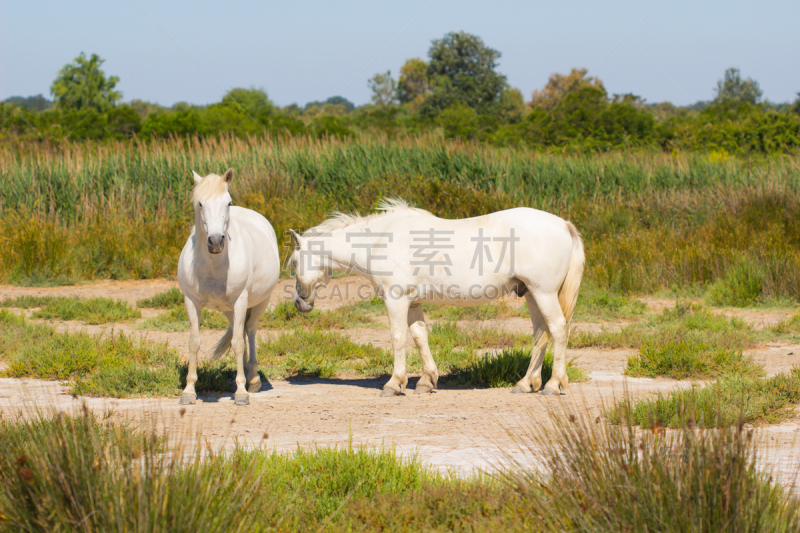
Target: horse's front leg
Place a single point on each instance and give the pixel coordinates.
(237, 344)
(189, 395)
(397, 309)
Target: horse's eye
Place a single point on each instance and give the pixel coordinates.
(230, 203)
(200, 204)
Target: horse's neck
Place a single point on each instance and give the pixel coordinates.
(343, 253)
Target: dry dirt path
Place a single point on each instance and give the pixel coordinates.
(451, 429)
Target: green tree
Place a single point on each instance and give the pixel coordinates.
(414, 84)
(560, 85)
(252, 102)
(733, 88)
(384, 89)
(796, 105)
(462, 69)
(82, 85)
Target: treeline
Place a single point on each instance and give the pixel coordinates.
(457, 93)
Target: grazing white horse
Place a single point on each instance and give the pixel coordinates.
(410, 257)
(231, 264)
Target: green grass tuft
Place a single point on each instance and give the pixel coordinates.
(505, 369)
(163, 300)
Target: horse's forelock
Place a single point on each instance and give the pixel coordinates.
(211, 186)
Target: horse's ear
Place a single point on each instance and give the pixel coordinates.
(297, 239)
(197, 177)
(228, 176)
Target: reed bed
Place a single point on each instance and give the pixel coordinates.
(650, 220)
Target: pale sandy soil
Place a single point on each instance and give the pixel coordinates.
(450, 429)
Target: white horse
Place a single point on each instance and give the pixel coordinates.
(411, 256)
(231, 264)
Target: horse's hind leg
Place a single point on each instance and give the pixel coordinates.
(419, 331)
(397, 308)
(251, 328)
(551, 311)
(532, 381)
(189, 395)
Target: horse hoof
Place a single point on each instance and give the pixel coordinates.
(548, 392)
(241, 399)
(422, 389)
(385, 393)
(188, 399)
(254, 387)
(518, 390)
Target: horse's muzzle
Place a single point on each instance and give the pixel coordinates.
(216, 243)
(302, 305)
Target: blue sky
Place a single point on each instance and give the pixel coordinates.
(305, 50)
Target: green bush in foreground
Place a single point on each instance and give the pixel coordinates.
(601, 477)
(730, 400)
(682, 360)
(575, 475)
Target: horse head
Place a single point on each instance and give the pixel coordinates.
(312, 270)
(212, 205)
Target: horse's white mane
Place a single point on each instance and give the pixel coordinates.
(386, 206)
(211, 186)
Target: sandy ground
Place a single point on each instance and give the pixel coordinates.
(459, 430)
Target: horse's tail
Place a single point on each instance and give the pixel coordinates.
(224, 343)
(568, 294)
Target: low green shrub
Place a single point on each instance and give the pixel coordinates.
(686, 360)
(730, 400)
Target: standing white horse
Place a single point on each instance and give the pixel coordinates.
(231, 264)
(411, 256)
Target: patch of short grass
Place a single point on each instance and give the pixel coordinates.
(91, 311)
(27, 302)
(448, 335)
(115, 364)
(320, 353)
(285, 314)
(602, 304)
(163, 300)
(684, 360)
(479, 312)
(682, 323)
(730, 400)
(686, 341)
(505, 369)
(176, 319)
